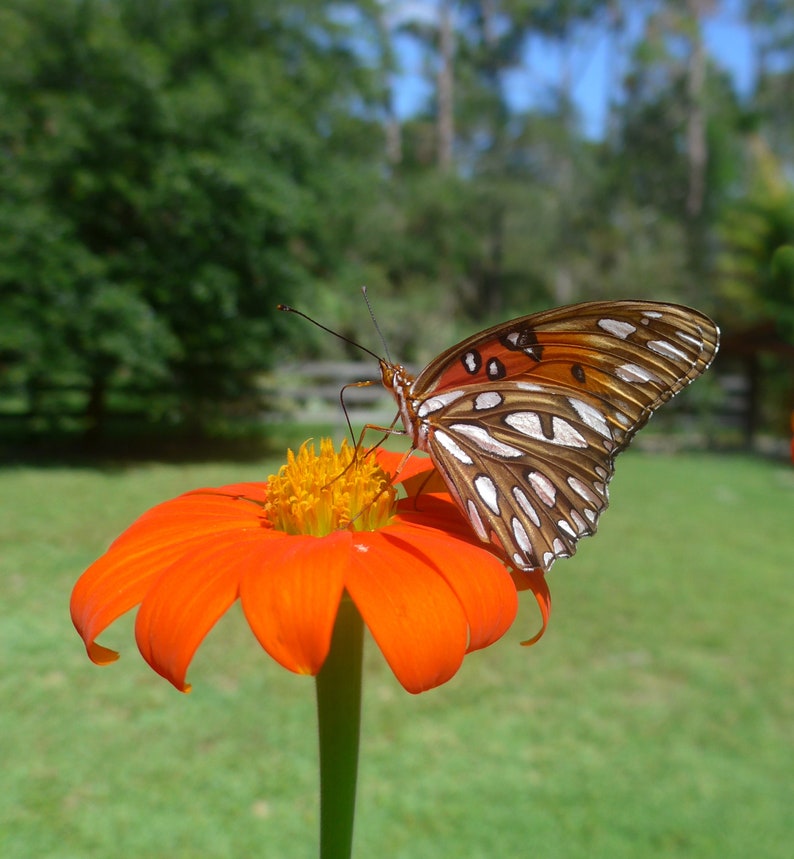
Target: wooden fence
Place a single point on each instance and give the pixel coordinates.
(309, 393)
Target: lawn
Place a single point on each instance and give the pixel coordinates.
(653, 720)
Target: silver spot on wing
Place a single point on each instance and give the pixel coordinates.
(488, 400)
(545, 489)
(617, 328)
(565, 526)
(634, 373)
(476, 521)
(525, 504)
(688, 338)
(522, 538)
(485, 441)
(591, 416)
(667, 350)
(486, 489)
(582, 490)
(452, 447)
(562, 433)
(438, 401)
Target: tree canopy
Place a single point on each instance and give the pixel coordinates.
(172, 170)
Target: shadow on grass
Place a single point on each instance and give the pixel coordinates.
(119, 450)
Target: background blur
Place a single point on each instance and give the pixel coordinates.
(172, 170)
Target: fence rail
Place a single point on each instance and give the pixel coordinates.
(310, 392)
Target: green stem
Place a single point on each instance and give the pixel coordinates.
(339, 717)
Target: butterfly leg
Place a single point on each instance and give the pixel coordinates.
(384, 432)
(344, 406)
(358, 444)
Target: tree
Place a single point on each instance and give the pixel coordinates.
(182, 160)
(771, 27)
(757, 232)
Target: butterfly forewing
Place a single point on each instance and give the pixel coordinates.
(524, 420)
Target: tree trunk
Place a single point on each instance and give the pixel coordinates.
(697, 151)
(95, 409)
(616, 35)
(491, 291)
(445, 86)
(392, 125)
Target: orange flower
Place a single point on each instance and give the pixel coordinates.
(322, 530)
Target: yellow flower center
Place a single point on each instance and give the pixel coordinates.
(318, 494)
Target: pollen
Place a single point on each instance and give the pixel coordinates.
(317, 494)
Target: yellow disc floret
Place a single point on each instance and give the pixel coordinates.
(318, 494)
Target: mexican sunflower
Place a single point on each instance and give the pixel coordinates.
(326, 529)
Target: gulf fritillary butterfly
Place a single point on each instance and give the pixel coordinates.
(524, 420)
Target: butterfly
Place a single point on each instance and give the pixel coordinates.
(523, 421)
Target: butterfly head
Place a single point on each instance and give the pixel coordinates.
(398, 381)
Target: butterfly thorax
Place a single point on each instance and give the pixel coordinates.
(398, 380)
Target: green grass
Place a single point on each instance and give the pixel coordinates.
(653, 720)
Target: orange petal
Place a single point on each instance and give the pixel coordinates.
(292, 603)
(412, 613)
(535, 581)
(425, 482)
(188, 598)
(249, 491)
(480, 581)
(120, 579)
(438, 513)
(195, 513)
(403, 466)
(110, 587)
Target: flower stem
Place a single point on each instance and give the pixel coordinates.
(339, 717)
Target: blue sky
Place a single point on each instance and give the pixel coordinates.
(727, 41)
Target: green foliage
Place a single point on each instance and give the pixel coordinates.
(757, 275)
(166, 173)
(172, 170)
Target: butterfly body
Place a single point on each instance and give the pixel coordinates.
(523, 420)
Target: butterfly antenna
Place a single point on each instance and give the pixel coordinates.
(288, 309)
(375, 322)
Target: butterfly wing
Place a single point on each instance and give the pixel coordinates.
(524, 420)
